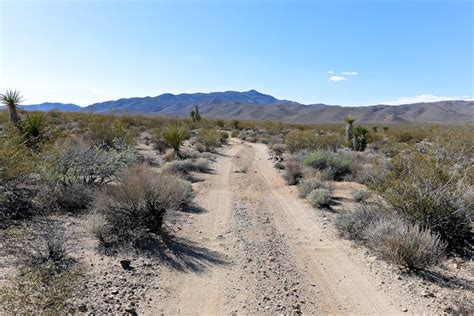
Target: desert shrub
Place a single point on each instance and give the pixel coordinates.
(17, 161)
(391, 237)
(280, 165)
(293, 172)
(175, 135)
(234, 133)
(298, 140)
(428, 190)
(339, 164)
(307, 185)
(278, 149)
(43, 289)
(77, 162)
(209, 138)
(352, 225)
(319, 197)
(58, 197)
(15, 203)
(187, 165)
(105, 130)
(360, 195)
(137, 205)
(404, 244)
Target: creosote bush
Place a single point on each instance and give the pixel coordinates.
(338, 164)
(136, 206)
(427, 188)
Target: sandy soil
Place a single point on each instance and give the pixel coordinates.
(276, 254)
(250, 245)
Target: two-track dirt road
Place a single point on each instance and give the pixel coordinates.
(256, 247)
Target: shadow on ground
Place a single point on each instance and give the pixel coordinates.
(444, 280)
(184, 255)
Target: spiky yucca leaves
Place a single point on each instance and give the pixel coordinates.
(12, 99)
(34, 124)
(174, 135)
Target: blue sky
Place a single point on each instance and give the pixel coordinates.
(335, 52)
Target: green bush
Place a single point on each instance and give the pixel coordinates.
(427, 188)
(307, 185)
(339, 164)
(319, 197)
(210, 139)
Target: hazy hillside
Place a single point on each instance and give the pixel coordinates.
(255, 105)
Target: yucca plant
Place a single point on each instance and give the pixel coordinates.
(349, 129)
(12, 99)
(174, 135)
(34, 124)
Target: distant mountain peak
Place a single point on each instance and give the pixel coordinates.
(253, 104)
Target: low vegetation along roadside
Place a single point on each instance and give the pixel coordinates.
(126, 177)
(415, 198)
(90, 168)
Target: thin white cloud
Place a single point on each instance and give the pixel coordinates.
(337, 78)
(350, 73)
(424, 98)
(330, 72)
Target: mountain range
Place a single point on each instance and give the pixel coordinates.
(253, 105)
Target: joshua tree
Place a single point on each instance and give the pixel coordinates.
(193, 115)
(12, 99)
(174, 135)
(349, 129)
(359, 141)
(197, 116)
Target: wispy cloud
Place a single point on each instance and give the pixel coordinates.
(424, 98)
(337, 78)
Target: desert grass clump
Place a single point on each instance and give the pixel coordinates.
(135, 208)
(319, 197)
(71, 198)
(405, 244)
(352, 225)
(391, 237)
(293, 172)
(187, 165)
(338, 164)
(360, 195)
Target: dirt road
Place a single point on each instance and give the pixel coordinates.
(256, 247)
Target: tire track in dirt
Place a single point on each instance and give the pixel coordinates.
(342, 288)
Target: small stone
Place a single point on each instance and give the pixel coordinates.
(82, 308)
(404, 310)
(427, 294)
(125, 263)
